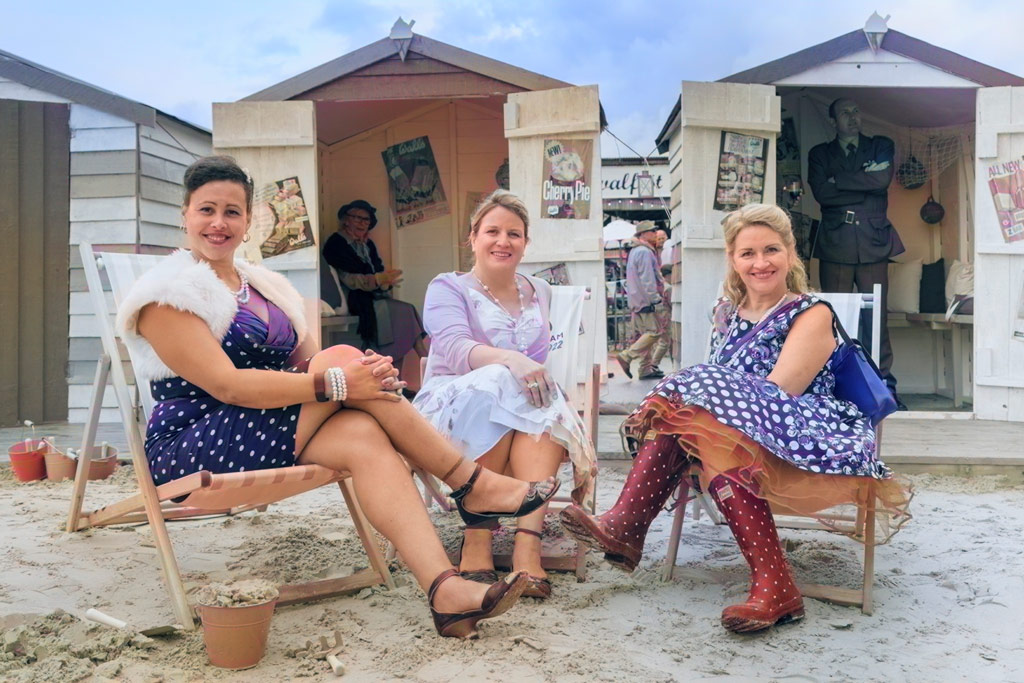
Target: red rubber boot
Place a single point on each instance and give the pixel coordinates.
(620, 532)
(774, 597)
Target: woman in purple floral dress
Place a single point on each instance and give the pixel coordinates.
(758, 424)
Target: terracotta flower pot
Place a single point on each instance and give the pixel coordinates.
(101, 468)
(59, 466)
(236, 637)
(27, 461)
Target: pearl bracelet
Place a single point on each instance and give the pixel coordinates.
(337, 385)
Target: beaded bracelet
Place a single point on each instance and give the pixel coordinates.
(337, 383)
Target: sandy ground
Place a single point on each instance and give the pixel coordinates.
(947, 588)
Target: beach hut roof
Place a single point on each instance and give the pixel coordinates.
(889, 40)
(36, 76)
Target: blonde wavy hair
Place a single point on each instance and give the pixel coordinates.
(770, 216)
(505, 200)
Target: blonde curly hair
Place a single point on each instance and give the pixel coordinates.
(770, 216)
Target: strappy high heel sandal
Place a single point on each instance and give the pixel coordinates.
(536, 587)
(533, 499)
(497, 600)
(484, 576)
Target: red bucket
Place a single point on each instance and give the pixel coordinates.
(27, 459)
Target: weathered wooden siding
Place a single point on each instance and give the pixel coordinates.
(126, 197)
(34, 144)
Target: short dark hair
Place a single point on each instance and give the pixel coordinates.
(211, 169)
(832, 107)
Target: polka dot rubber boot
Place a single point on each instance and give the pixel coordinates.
(620, 532)
(774, 597)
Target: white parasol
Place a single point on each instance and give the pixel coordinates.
(618, 231)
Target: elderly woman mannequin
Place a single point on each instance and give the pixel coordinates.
(352, 253)
(486, 388)
(757, 423)
(215, 335)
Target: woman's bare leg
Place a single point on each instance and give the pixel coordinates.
(417, 440)
(352, 441)
(477, 551)
(532, 460)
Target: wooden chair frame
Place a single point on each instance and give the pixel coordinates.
(206, 494)
(861, 526)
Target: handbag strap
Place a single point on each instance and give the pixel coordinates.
(724, 357)
(837, 326)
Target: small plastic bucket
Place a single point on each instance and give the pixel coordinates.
(27, 461)
(236, 637)
(101, 468)
(59, 466)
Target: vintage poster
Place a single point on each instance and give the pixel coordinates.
(469, 204)
(280, 222)
(416, 190)
(1006, 183)
(741, 167)
(567, 185)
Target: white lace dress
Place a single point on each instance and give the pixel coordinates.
(474, 411)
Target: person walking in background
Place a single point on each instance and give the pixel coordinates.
(850, 178)
(647, 297)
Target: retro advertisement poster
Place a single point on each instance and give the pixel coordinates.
(416, 190)
(741, 167)
(472, 200)
(280, 221)
(567, 185)
(1006, 183)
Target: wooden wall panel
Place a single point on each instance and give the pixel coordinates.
(34, 187)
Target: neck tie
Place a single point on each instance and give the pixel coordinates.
(851, 149)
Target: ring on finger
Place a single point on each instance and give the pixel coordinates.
(532, 385)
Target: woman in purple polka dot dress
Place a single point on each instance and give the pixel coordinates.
(212, 336)
(758, 423)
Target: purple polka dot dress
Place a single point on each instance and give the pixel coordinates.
(190, 430)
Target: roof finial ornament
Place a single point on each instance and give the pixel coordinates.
(401, 34)
(874, 29)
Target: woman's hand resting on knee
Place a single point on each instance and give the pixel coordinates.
(533, 378)
(372, 376)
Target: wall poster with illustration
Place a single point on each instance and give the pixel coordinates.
(280, 222)
(1006, 183)
(741, 169)
(567, 186)
(416, 190)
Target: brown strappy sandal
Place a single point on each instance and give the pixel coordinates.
(536, 587)
(499, 599)
(537, 494)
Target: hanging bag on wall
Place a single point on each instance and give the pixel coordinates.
(858, 379)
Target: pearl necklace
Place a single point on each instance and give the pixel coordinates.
(489, 293)
(736, 322)
(243, 293)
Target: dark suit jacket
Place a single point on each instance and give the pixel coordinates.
(343, 258)
(866, 235)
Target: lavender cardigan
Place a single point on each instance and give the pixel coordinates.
(454, 325)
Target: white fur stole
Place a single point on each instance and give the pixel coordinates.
(182, 282)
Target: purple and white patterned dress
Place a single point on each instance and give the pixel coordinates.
(190, 430)
(814, 431)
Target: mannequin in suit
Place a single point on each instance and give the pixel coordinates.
(850, 178)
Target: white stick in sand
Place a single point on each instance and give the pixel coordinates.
(100, 618)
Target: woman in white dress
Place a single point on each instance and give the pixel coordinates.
(486, 387)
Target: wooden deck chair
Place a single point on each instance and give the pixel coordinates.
(861, 526)
(571, 364)
(204, 493)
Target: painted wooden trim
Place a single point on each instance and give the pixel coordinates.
(553, 129)
(103, 139)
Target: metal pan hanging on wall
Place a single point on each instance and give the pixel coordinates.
(932, 212)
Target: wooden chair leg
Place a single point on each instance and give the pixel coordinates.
(868, 591)
(99, 385)
(362, 526)
(677, 531)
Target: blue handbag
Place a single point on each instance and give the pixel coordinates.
(858, 379)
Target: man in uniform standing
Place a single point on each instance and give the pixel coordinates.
(850, 178)
(646, 294)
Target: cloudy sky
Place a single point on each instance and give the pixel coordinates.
(180, 56)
